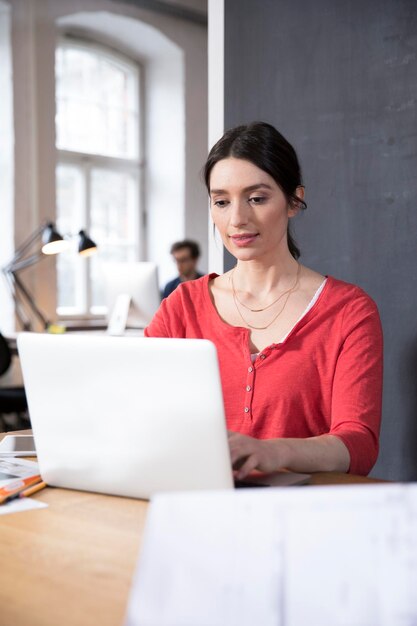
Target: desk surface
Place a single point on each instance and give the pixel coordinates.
(72, 563)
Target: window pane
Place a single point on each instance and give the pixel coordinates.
(113, 223)
(96, 103)
(96, 114)
(70, 218)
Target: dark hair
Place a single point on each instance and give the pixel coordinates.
(193, 247)
(261, 144)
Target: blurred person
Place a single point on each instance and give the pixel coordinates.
(185, 254)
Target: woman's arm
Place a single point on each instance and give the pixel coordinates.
(168, 321)
(357, 385)
(352, 441)
(324, 453)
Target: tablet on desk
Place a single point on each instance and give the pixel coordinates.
(17, 445)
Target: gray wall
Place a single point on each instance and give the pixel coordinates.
(338, 79)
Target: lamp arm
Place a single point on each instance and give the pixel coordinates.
(19, 308)
(16, 266)
(20, 251)
(19, 287)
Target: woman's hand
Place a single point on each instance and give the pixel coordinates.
(248, 454)
(325, 453)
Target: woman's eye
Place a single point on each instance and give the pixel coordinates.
(257, 199)
(220, 203)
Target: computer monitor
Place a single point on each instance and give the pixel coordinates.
(139, 280)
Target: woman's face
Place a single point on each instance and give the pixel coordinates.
(249, 209)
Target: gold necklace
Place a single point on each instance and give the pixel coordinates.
(289, 292)
(272, 303)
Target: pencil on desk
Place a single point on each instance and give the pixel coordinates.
(14, 489)
(32, 490)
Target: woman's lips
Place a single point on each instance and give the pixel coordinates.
(243, 240)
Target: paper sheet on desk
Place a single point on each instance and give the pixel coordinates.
(324, 555)
(21, 504)
(14, 468)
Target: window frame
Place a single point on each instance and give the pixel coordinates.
(87, 161)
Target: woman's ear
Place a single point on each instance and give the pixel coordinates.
(296, 202)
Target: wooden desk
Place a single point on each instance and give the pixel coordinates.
(72, 563)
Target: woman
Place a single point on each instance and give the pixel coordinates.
(300, 353)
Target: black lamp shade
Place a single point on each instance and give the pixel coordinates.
(52, 241)
(86, 246)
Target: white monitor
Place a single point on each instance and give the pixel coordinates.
(139, 280)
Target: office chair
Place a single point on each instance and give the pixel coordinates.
(12, 399)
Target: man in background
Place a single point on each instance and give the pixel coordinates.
(185, 254)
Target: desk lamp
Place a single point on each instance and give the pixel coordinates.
(30, 253)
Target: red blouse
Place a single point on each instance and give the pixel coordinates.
(324, 378)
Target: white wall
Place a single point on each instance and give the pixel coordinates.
(6, 165)
(174, 54)
(165, 148)
(216, 110)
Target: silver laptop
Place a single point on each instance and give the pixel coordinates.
(125, 415)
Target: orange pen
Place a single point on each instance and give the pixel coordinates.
(17, 486)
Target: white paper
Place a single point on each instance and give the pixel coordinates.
(331, 556)
(11, 469)
(21, 504)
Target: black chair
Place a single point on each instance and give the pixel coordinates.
(12, 399)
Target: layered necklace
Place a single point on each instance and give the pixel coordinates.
(286, 293)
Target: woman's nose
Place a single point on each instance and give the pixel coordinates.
(239, 214)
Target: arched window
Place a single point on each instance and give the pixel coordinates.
(99, 166)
